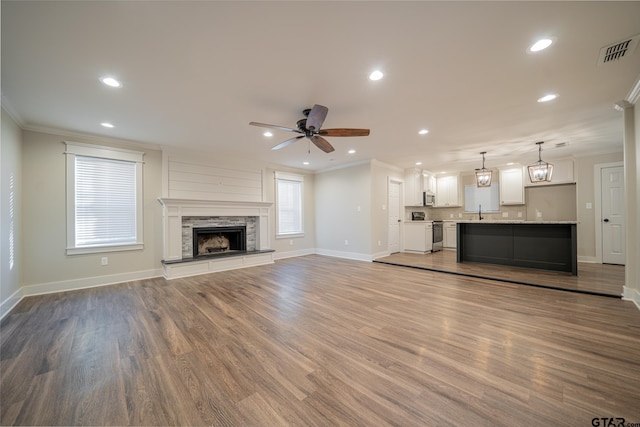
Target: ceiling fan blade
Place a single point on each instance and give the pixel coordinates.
(322, 143)
(287, 142)
(316, 117)
(264, 125)
(344, 132)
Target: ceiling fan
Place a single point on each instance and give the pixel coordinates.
(310, 127)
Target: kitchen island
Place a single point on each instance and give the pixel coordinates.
(545, 245)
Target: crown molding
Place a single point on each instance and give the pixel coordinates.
(82, 137)
(8, 108)
(634, 95)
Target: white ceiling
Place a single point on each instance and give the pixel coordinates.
(196, 73)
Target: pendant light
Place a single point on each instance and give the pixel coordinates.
(483, 176)
(540, 171)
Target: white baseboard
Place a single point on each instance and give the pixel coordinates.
(88, 282)
(7, 305)
(348, 255)
(631, 295)
(292, 254)
(380, 254)
(588, 259)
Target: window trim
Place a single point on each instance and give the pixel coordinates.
(89, 150)
(283, 176)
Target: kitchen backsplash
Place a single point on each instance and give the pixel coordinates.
(552, 203)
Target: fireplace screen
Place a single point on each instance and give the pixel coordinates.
(208, 241)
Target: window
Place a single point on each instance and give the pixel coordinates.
(487, 197)
(104, 199)
(289, 189)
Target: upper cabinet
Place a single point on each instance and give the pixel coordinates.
(448, 191)
(429, 182)
(416, 182)
(562, 174)
(512, 186)
(413, 187)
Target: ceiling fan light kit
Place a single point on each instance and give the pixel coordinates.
(483, 176)
(540, 171)
(310, 127)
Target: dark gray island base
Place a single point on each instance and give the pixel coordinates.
(541, 245)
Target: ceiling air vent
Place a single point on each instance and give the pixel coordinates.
(618, 50)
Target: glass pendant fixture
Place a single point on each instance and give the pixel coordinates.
(540, 171)
(483, 176)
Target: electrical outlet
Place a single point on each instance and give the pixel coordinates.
(104, 260)
(291, 242)
(589, 205)
(505, 214)
(450, 215)
(358, 209)
(379, 243)
(346, 242)
(460, 215)
(519, 214)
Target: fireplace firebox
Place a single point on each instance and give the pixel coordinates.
(211, 241)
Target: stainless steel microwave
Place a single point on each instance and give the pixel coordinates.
(428, 199)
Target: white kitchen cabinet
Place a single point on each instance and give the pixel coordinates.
(413, 187)
(562, 174)
(418, 237)
(429, 182)
(450, 234)
(512, 186)
(448, 191)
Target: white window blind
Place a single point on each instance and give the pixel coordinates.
(104, 199)
(105, 202)
(289, 190)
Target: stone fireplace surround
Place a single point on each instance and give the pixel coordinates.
(180, 216)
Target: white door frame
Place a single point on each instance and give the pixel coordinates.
(597, 203)
(400, 182)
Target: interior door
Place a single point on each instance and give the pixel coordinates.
(613, 221)
(394, 217)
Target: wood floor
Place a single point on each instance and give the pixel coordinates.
(598, 279)
(320, 341)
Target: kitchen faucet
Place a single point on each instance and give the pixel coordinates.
(480, 217)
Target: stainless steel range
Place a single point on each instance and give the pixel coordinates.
(437, 236)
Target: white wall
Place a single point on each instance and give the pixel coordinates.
(45, 265)
(10, 213)
(343, 212)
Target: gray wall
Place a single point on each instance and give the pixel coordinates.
(584, 174)
(343, 211)
(11, 183)
(44, 218)
(293, 246)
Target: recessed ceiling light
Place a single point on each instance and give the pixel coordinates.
(268, 134)
(418, 163)
(305, 163)
(424, 132)
(510, 164)
(351, 151)
(443, 172)
(540, 45)
(107, 125)
(548, 98)
(110, 81)
(376, 75)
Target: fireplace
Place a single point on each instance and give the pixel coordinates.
(212, 241)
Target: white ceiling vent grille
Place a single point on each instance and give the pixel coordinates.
(618, 50)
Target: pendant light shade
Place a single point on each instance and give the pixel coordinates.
(540, 171)
(483, 176)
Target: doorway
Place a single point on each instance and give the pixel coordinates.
(395, 215)
(610, 219)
